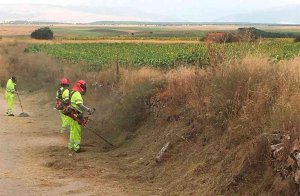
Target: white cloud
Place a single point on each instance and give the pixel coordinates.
(181, 10)
(56, 14)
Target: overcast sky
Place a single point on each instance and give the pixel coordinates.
(179, 10)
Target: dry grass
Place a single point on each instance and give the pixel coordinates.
(34, 71)
(130, 78)
(254, 84)
(221, 111)
(16, 30)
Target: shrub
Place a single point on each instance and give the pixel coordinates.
(43, 33)
(248, 34)
(221, 37)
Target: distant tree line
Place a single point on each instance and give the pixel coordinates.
(265, 34)
(245, 34)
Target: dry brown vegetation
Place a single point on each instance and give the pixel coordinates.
(16, 30)
(213, 118)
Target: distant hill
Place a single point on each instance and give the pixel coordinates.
(240, 24)
(154, 23)
(32, 22)
(279, 15)
(61, 14)
(247, 24)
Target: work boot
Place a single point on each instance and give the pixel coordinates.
(80, 150)
(77, 148)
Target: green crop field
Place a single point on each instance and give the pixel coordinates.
(163, 56)
(87, 32)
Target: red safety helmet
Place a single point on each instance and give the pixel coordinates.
(80, 86)
(64, 81)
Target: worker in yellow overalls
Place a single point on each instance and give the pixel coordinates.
(9, 95)
(79, 89)
(63, 99)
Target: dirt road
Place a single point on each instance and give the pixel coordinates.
(34, 159)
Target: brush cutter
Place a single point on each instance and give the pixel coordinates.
(95, 133)
(72, 113)
(23, 114)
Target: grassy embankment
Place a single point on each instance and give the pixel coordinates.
(211, 116)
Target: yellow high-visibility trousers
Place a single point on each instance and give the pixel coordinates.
(75, 136)
(9, 102)
(65, 120)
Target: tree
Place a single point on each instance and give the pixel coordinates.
(297, 39)
(42, 33)
(248, 34)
